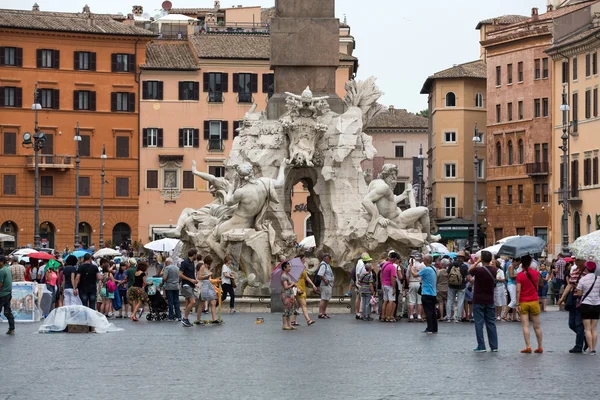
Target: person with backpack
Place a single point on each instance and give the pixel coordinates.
(108, 289)
(414, 282)
(484, 310)
(355, 274)
(325, 278)
(528, 304)
(457, 273)
(367, 290)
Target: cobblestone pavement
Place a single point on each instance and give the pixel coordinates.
(339, 358)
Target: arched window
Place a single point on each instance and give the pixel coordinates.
(498, 154)
(479, 100)
(450, 99)
(121, 234)
(588, 222)
(510, 153)
(521, 152)
(576, 226)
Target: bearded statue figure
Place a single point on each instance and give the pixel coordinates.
(381, 204)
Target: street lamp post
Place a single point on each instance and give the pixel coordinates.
(101, 241)
(565, 164)
(36, 142)
(77, 139)
(420, 169)
(476, 141)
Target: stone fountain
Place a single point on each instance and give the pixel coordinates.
(314, 138)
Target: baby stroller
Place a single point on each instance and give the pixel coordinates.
(158, 305)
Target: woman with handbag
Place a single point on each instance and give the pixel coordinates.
(228, 283)
(136, 294)
(588, 289)
(301, 295)
(208, 292)
(287, 296)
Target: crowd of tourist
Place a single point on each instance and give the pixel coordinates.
(422, 288)
(481, 290)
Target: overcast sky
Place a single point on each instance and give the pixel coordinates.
(401, 42)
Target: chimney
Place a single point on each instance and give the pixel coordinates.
(86, 9)
(137, 11)
(391, 108)
(217, 4)
(534, 13)
(35, 7)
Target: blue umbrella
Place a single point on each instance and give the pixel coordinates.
(80, 253)
(452, 254)
(522, 246)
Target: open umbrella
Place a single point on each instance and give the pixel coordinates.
(40, 255)
(438, 248)
(308, 242)
(24, 252)
(166, 244)
(506, 239)
(106, 252)
(587, 247)
(6, 238)
(80, 253)
(295, 272)
(522, 246)
(492, 249)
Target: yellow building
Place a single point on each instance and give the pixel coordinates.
(456, 106)
(575, 60)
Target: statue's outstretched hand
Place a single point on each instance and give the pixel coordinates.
(383, 222)
(194, 170)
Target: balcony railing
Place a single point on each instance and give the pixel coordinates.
(538, 169)
(51, 161)
(448, 213)
(215, 97)
(244, 97)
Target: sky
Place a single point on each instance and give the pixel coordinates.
(400, 42)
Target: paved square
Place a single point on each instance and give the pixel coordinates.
(339, 358)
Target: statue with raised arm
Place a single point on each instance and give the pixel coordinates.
(251, 198)
(208, 216)
(381, 204)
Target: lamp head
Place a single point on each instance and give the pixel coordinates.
(476, 139)
(27, 139)
(36, 106)
(565, 107)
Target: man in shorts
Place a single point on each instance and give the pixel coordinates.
(187, 274)
(326, 286)
(388, 285)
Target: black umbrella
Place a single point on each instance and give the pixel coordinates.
(522, 246)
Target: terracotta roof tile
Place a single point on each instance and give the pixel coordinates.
(559, 12)
(186, 11)
(399, 119)
(238, 46)
(235, 46)
(165, 55)
(502, 20)
(102, 24)
(474, 69)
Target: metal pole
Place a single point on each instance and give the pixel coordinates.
(420, 197)
(77, 139)
(475, 246)
(101, 241)
(565, 182)
(36, 149)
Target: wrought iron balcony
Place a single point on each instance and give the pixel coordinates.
(538, 169)
(51, 161)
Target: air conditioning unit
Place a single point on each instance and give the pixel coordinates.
(7, 229)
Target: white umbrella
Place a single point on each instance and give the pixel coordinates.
(6, 238)
(492, 249)
(587, 247)
(504, 240)
(308, 242)
(438, 248)
(106, 252)
(24, 252)
(166, 244)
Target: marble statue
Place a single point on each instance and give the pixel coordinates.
(208, 216)
(381, 204)
(251, 198)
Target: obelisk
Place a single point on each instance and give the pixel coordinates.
(304, 51)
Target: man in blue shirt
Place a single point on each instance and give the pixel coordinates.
(428, 294)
